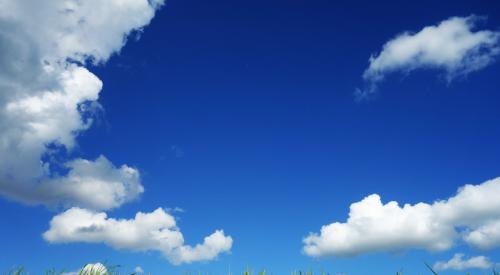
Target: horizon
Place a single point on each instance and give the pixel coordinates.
(190, 136)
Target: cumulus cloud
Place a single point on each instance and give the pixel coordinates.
(92, 184)
(459, 263)
(486, 236)
(373, 226)
(48, 97)
(452, 46)
(376, 226)
(155, 231)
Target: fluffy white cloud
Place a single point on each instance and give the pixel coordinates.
(452, 46)
(212, 246)
(155, 231)
(373, 226)
(486, 236)
(458, 263)
(92, 184)
(47, 97)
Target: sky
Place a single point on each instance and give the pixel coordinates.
(350, 137)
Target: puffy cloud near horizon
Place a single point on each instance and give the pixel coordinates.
(459, 263)
(486, 236)
(155, 231)
(94, 184)
(48, 97)
(452, 46)
(373, 226)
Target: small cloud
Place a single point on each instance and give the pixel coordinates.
(53, 98)
(155, 231)
(94, 184)
(452, 46)
(459, 263)
(175, 210)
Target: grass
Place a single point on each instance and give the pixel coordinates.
(430, 268)
(113, 270)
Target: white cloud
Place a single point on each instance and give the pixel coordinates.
(487, 236)
(155, 231)
(458, 263)
(89, 269)
(212, 246)
(373, 226)
(47, 96)
(452, 46)
(138, 270)
(78, 30)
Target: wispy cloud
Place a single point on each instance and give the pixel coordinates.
(452, 46)
(374, 227)
(46, 93)
(459, 263)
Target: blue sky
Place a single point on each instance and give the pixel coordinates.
(243, 114)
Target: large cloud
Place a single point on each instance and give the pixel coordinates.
(452, 46)
(458, 263)
(473, 214)
(155, 231)
(47, 97)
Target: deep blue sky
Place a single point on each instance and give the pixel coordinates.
(256, 97)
